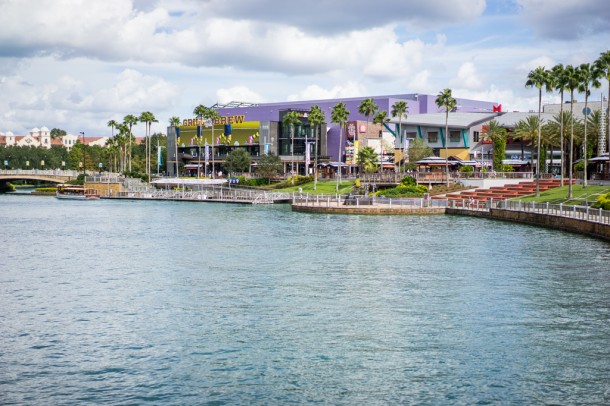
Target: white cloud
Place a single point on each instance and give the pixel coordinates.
(467, 77)
(238, 93)
(315, 92)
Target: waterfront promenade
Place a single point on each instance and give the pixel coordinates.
(578, 219)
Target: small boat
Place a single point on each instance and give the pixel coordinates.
(76, 192)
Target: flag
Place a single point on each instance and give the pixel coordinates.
(497, 109)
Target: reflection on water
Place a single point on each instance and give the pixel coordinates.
(194, 303)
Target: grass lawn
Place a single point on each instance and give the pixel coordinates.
(559, 195)
(324, 187)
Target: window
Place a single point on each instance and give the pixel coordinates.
(412, 135)
(475, 136)
(433, 137)
(454, 136)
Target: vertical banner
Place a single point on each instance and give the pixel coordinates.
(356, 147)
(307, 155)
(159, 157)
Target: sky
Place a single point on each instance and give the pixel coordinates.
(76, 64)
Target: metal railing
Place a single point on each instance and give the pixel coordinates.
(576, 212)
(211, 193)
(337, 200)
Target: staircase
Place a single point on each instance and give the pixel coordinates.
(504, 192)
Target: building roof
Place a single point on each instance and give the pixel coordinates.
(510, 120)
(455, 120)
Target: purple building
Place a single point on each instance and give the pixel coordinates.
(259, 129)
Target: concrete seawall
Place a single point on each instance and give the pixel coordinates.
(377, 209)
(579, 226)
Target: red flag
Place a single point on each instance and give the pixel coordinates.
(497, 109)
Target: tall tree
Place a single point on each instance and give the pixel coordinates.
(130, 120)
(174, 121)
(572, 79)
(148, 118)
(495, 133)
(200, 111)
(589, 79)
(559, 84)
(269, 165)
(56, 133)
(368, 108)
(539, 78)
(399, 109)
(444, 100)
(237, 160)
(602, 65)
(381, 118)
(339, 115)
(290, 120)
(316, 118)
(212, 115)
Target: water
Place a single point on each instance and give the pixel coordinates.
(171, 303)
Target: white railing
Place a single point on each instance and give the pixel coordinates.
(217, 194)
(41, 172)
(584, 213)
(337, 200)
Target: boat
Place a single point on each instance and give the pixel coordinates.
(76, 192)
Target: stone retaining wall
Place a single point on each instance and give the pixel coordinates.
(368, 210)
(543, 220)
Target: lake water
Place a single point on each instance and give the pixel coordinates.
(173, 303)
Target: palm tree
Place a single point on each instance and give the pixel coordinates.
(112, 124)
(589, 78)
(571, 77)
(200, 111)
(527, 131)
(555, 132)
(212, 115)
(367, 158)
(445, 100)
(290, 120)
(148, 118)
(559, 83)
(130, 120)
(539, 78)
(339, 115)
(495, 133)
(122, 140)
(399, 109)
(316, 118)
(174, 121)
(381, 118)
(367, 108)
(602, 65)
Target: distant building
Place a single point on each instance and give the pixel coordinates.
(41, 137)
(259, 129)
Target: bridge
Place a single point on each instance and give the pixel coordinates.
(44, 175)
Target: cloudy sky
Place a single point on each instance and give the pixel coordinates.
(75, 64)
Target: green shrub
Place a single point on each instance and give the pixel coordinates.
(403, 191)
(46, 189)
(467, 169)
(298, 180)
(254, 182)
(408, 181)
(507, 168)
(603, 202)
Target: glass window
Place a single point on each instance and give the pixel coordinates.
(433, 136)
(454, 136)
(476, 136)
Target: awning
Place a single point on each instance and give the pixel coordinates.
(600, 158)
(193, 166)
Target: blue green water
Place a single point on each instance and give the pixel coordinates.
(132, 302)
